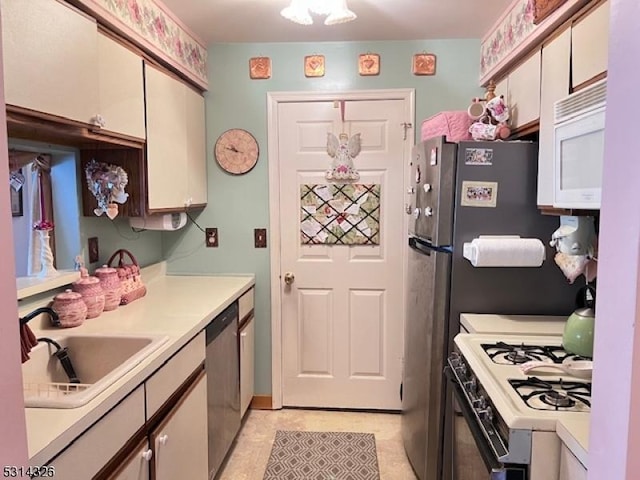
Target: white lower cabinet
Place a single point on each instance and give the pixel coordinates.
(136, 466)
(247, 345)
(180, 441)
(570, 466)
(86, 456)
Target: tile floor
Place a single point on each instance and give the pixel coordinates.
(248, 459)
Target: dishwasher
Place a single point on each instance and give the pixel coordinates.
(223, 385)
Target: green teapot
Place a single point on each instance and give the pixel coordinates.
(578, 331)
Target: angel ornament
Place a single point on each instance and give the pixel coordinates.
(343, 150)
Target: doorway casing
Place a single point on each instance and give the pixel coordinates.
(273, 99)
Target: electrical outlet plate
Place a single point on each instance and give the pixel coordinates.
(211, 237)
(260, 237)
(94, 251)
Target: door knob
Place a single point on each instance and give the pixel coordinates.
(289, 278)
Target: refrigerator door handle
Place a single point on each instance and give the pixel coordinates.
(428, 248)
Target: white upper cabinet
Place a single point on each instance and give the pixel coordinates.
(176, 150)
(590, 45)
(50, 53)
(196, 148)
(554, 86)
(524, 92)
(121, 88)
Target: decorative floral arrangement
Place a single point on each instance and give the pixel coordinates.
(107, 183)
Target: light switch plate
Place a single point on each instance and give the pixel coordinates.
(260, 237)
(211, 237)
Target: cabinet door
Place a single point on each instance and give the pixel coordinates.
(570, 466)
(50, 53)
(196, 148)
(247, 345)
(91, 451)
(180, 442)
(166, 140)
(554, 86)
(524, 92)
(136, 466)
(121, 88)
(590, 45)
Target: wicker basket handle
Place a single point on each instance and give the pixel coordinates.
(120, 254)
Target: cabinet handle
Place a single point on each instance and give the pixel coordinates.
(243, 334)
(163, 439)
(147, 455)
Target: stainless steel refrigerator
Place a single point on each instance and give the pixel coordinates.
(458, 192)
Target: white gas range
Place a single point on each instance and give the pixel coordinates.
(511, 416)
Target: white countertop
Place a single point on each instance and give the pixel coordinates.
(176, 306)
(574, 432)
(513, 324)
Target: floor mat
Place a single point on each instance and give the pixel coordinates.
(323, 456)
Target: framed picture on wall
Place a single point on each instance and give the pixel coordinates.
(16, 200)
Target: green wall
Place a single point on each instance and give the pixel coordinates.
(237, 205)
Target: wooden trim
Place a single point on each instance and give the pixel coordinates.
(262, 402)
(526, 129)
(591, 81)
(247, 318)
(26, 124)
(586, 10)
(554, 211)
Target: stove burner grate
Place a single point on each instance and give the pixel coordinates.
(518, 357)
(512, 354)
(553, 394)
(555, 398)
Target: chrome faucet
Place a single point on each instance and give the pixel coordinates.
(55, 320)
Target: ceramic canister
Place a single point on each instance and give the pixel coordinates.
(111, 286)
(70, 308)
(92, 294)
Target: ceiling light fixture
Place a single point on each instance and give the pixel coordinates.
(337, 11)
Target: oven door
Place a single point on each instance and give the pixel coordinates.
(473, 456)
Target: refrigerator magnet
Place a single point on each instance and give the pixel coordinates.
(479, 194)
(478, 156)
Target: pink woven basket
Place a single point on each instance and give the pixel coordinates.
(130, 278)
(454, 125)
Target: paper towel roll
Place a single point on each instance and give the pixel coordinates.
(505, 252)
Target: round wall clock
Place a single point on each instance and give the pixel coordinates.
(236, 151)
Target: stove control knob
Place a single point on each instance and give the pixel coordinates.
(454, 359)
(480, 403)
(471, 384)
(486, 414)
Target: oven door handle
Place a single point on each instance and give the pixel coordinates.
(486, 451)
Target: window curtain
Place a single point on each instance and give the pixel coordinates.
(37, 168)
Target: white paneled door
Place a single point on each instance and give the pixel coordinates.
(342, 311)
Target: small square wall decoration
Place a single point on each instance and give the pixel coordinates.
(369, 64)
(314, 66)
(424, 64)
(260, 68)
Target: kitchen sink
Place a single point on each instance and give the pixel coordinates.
(98, 361)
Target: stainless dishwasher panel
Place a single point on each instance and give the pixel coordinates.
(223, 385)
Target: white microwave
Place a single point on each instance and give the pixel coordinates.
(579, 148)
